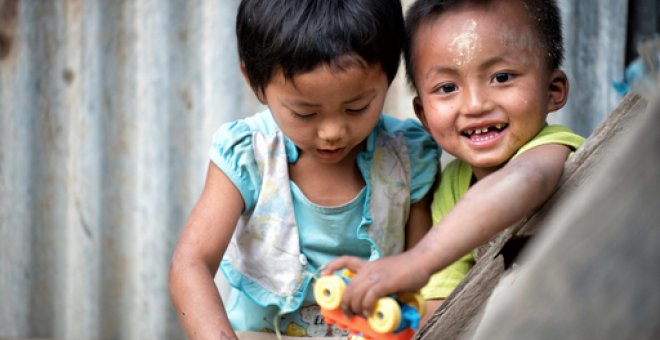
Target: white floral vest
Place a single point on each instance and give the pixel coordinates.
(263, 258)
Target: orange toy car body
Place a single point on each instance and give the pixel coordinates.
(359, 326)
(394, 317)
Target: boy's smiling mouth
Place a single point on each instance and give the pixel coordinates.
(484, 134)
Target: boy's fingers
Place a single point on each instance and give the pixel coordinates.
(349, 262)
(369, 302)
(363, 292)
(349, 300)
(354, 296)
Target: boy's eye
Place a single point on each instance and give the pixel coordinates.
(360, 110)
(502, 77)
(446, 88)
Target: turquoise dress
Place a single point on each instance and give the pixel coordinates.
(283, 239)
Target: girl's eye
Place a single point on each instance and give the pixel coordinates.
(502, 77)
(447, 88)
(358, 111)
(303, 116)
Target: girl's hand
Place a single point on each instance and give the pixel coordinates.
(376, 279)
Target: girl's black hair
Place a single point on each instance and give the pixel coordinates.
(543, 14)
(296, 36)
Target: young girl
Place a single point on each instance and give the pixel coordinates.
(321, 173)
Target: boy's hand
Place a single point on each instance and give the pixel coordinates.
(377, 279)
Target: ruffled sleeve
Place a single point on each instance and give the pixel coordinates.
(232, 152)
(424, 156)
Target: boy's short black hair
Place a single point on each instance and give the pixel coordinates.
(544, 16)
(296, 36)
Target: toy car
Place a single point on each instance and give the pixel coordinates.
(395, 317)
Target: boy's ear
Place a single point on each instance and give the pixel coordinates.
(419, 112)
(558, 91)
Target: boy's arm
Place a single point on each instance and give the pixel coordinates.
(492, 204)
(197, 256)
(419, 220)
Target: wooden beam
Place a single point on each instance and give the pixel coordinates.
(462, 307)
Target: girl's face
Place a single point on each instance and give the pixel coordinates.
(329, 111)
(484, 89)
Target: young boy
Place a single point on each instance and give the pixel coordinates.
(487, 75)
(319, 174)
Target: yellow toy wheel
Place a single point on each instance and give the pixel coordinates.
(386, 317)
(328, 291)
(415, 300)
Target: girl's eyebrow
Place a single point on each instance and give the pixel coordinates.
(368, 93)
(302, 102)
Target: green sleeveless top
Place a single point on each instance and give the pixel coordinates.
(456, 178)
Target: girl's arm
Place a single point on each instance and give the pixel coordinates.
(491, 205)
(197, 256)
(419, 220)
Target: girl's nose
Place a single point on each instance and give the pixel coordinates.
(332, 130)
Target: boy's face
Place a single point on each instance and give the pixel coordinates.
(328, 112)
(484, 88)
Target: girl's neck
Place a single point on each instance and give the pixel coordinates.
(328, 184)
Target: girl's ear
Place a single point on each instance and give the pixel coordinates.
(419, 112)
(558, 91)
(244, 72)
(261, 96)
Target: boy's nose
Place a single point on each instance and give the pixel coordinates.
(476, 101)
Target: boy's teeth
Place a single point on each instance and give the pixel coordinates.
(498, 126)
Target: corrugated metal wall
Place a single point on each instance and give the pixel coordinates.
(106, 113)
(595, 38)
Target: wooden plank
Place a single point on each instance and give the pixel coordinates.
(458, 311)
(585, 160)
(593, 272)
(461, 307)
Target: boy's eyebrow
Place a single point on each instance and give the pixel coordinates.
(493, 61)
(439, 70)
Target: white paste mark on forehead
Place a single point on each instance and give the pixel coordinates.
(464, 44)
